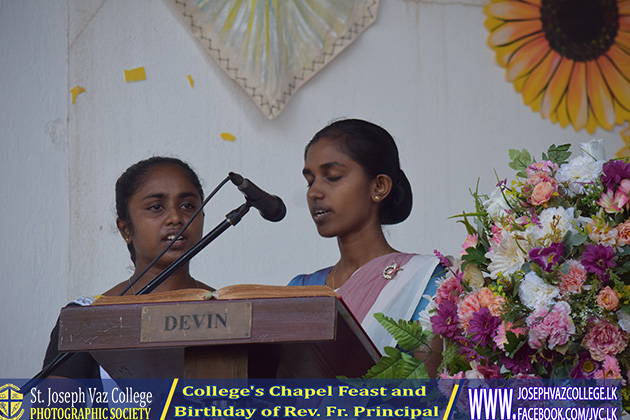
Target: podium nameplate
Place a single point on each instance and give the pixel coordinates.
(294, 337)
(193, 322)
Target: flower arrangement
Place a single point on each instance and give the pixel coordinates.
(542, 286)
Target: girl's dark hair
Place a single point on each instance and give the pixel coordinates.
(375, 150)
(135, 176)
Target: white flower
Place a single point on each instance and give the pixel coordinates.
(505, 257)
(496, 204)
(473, 276)
(578, 172)
(473, 373)
(594, 148)
(553, 224)
(534, 292)
(601, 234)
(624, 320)
(426, 314)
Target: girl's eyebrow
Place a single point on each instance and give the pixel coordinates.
(189, 194)
(329, 165)
(324, 166)
(153, 195)
(162, 195)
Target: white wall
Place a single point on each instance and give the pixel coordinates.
(423, 71)
(34, 194)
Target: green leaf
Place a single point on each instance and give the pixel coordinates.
(384, 369)
(387, 367)
(512, 341)
(558, 154)
(520, 161)
(458, 364)
(464, 214)
(452, 360)
(572, 240)
(560, 371)
(411, 368)
(475, 256)
(408, 334)
(469, 228)
(517, 284)
(623, 269)
(562, 349)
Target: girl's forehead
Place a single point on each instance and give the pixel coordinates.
(166, 178)
(327, 149)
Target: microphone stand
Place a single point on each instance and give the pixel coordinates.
(231, 219)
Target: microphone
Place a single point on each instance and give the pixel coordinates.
(269, 206)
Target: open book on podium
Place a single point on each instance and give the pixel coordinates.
(242, 331)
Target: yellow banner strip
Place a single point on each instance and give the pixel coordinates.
(170, 397)
(450, 403)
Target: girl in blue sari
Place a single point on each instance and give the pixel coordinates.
(356, 185)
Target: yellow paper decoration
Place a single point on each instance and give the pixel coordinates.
(135, 75)
(191, 81)
(76, 91)
(228, 136)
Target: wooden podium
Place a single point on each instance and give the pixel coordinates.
(296, 337)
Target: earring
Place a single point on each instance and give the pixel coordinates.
(377, 198)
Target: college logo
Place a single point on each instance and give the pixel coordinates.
(10, 402)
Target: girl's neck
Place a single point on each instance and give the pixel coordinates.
(181, 279)
(361, 249)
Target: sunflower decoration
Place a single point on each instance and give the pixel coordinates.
(570, 59)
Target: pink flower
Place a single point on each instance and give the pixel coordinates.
(609, 370)
(473, 373)
(458, 375)
(446, 386)
(536, 178)
(466, 309)
(623, 232)
(604, 339)
(443, 260)
(542, 193)
(450, 289)
(501, 338)
(496, 234)
(485, 297)
(470, 242)
(553, 326)
(608, 299)
(624, 186)
(574, 279)
(613, 202)
(490, 371)
(545, 166)
(544, 186)
(480, 371)
(497, 306)
(445, 321)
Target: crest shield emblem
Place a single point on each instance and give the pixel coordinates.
(10, 402)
